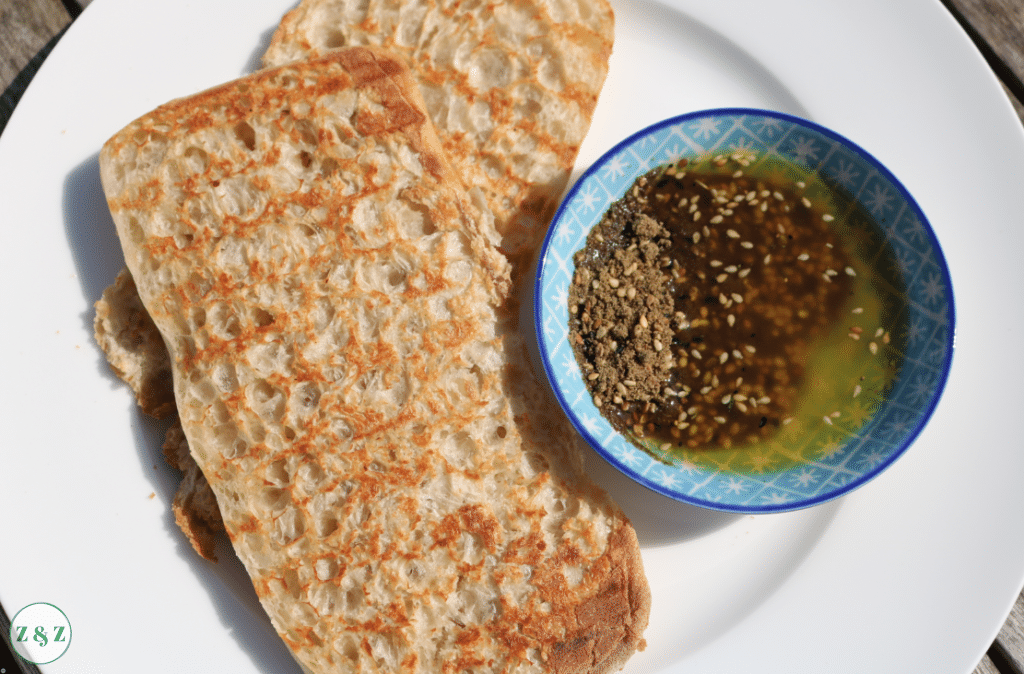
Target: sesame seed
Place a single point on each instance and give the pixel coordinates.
(746, 244)
(717, 219)
(592, 376)
(732, 233)
(737, 354)
(630, 292)
(853, 335)
(695, 353)
(856, 390)
(720, 420)
(658, 346)
(873, 348)
(715, 263)
(827, 420)
(696, 216)
(737, 298)
(858, 310)
(731, 320)
(828, 217)
(750, 349)
(726, 399)
(696, 237)
(803, 257)
(850, 271)
(621, 292)
(629, 382)
(721, 278)
(879, 332)
(613, 282)
(724, 356)
(643, 321)
(778, 195)
(768, 258)
(743, 273)
(631, 268)
(805, 201)
(597, 401)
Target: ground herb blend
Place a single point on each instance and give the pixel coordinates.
(697, 302)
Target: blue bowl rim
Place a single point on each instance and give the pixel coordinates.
(748, 509)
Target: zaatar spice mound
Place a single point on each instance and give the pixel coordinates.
(622, 304)
(695, 302)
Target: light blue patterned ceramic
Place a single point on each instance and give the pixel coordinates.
(837, 460)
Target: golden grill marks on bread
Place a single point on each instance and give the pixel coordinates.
(511, 87)
(402, 495)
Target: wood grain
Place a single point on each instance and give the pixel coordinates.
(1009, 645)
(25, 28)
(1001, 23)
(28, 31)
(986, 666)
(1000, 26)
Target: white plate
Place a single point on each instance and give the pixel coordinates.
(914, 572)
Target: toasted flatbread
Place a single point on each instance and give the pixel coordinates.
(516, 158)
(391, 476)
(511, 87)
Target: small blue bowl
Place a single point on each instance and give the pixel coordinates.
(905, 267)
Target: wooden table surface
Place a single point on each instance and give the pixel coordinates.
(30, 28)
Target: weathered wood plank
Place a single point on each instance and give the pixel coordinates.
(25, 28)
(28, 30)
(1010, 643)
(986, 666)
(1000, 24)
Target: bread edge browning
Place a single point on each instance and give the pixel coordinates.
(605, 636)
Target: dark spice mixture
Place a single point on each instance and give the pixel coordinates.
(694, 302)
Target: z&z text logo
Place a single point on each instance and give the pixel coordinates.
(40, 633)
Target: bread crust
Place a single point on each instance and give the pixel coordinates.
(387, 469)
